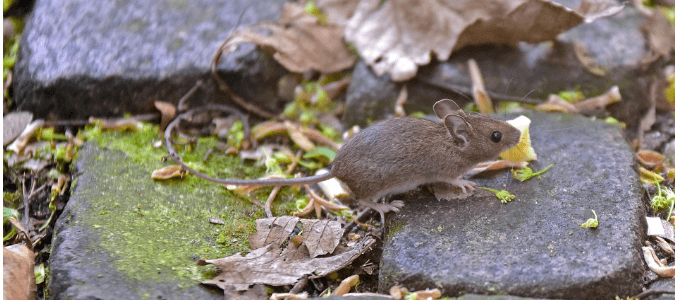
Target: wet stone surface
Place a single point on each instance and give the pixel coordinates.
(532, 246)
(106, 58)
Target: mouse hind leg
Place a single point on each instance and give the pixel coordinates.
(383, 208)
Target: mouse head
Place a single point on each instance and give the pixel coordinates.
(484, 136)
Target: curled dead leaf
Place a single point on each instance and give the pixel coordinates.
(480, 95)
(655, 264)
(168, 172)
(600, 102)
(119, 124)
(346, 285)
(22, 140)
(168, 111)
(298, 42)
(555, 103)
(298, 137)
(649, 158)
(396, 38)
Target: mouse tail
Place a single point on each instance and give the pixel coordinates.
(271, 182)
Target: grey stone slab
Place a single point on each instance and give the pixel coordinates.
(532, 70)
(532, 246)
(103, 58)
(84, 264)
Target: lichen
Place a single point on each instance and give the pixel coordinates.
(157, 230)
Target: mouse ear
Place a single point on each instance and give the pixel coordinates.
(445, 107)
(458, 128)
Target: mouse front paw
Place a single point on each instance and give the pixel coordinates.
(464, 184)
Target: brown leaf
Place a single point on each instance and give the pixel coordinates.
(119, 124)
(497, 165)
(17, 272)
(281, 266)
(480, 95)
(298, 137)
(599, 102)
(168, 111)
(272, 231)
(321, 236)
(398, 36)
(21, 141)
(555, 103)
(400, 101)
(266, 129)
(13, 124)
(298, 42)
(655, 264)
(168, 172)
(649, 158)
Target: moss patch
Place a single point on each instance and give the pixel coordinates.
(157, 230)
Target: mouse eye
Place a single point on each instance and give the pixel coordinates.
(496, 137)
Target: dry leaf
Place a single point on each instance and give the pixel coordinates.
(584, 56)
(281, 266)
(272, 231)
(298, 137)
(600, 102)
(119, 124)
(266, 129)
(168, 111)
(13, 124)
(346, 285)
(497, 165)
(480, 95)
(397, 36)
(649, 158)
(655, 264)
(319, 236)
(400, 101)
(298, 42)
(21, 141)
(168, 172)
(555, 103)
(17, 272)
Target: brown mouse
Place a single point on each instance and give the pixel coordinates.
(399, 154)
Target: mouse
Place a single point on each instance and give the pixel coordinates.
(401, 153)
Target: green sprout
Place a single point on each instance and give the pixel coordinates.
(503, 196)
(592, 222)
(235, 136)
(527, 173)
(40, 273)
(663, 200)
(6, 214)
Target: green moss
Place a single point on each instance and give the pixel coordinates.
(157, 230)
(13, 199)
(394, 228)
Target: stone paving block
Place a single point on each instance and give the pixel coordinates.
(532, 246)
(105, 58)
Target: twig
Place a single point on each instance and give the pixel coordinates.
(225, 87)
(182, 106)
(268, 203)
